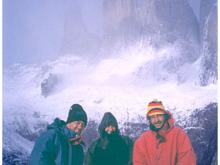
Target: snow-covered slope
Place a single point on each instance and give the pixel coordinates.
(112, 85)
(114, 82)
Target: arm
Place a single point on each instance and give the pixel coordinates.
(185, 152)
(130, 151)
(138, 154)
(129, 144)
(43, 152)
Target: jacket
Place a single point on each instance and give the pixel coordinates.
(53, 147)
(176, 149)
(110, 150)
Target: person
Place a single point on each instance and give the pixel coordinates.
(61, 144)
(164, 143)
(110, 148)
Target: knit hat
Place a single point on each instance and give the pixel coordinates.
(155, 107)
(76, 113)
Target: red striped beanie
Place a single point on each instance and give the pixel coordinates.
(155, 107)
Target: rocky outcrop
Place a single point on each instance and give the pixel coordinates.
(202, 129)
(48, 85)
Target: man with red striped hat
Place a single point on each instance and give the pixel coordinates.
(164, 143)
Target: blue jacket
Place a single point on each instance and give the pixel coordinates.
(54, 148)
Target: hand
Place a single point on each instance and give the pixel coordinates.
(76, 140)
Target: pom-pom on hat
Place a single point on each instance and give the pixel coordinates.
(155, 107)
(76, 113)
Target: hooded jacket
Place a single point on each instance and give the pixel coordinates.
(53, 147)
(113, 149)
(174, 149)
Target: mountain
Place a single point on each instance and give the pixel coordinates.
(126, 18)
(202, 129)
(20, 132)
(209, 49)
(195, 5)
(146, 49)
(170, 29)
(205, 9)
(98, 88)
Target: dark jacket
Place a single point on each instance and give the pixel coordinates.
(112, 149)
(53, 147)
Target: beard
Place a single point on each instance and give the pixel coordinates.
(155, 129)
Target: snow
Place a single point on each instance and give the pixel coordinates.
(98, 88)
(110, 85)
(14, 142)
(162, 62)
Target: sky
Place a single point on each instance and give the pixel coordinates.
(33, 30)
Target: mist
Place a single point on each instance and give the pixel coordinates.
(34, 31)
(38, 30)
(107, 55)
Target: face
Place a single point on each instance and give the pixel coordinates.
(157, 120)
(110, 129)
(76, 126)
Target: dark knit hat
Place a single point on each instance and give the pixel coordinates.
(76, 113)
(155, 107)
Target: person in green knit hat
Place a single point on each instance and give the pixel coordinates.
(61, 143)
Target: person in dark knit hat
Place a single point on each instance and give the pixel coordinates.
(164, 143)
(61, 144)
(110, 148)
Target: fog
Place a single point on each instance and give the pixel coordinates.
(33, 31)
(36, 31)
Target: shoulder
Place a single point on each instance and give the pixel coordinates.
(180, 134)
(144, 137)
(179, 131)
(141, 143)
(45, 142)
(47, 135)
(126, 138)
